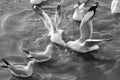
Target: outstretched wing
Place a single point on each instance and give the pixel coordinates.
(57, 18)
(46, 19)
(92, 42)
(86, 28)
(86, 24)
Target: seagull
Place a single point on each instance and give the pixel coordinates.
(41, 56)
(52, 25)
(85, 44)
(79, 11)
(20, 70)
(115, 6)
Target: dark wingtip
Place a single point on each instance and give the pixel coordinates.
(5, 61)
(3, 66)
(59, 8)
(78, 2)
(26, 51)
(94, 7)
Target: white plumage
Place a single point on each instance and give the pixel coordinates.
(35, 1)
(79, 12)
(52, 25)
(20, 70)
(41, 56)
(115, 6)
(85, 44)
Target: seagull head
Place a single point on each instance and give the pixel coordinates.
(69, 43)
(82, 6)
(32, 62)
(49, 48)
(76, 6)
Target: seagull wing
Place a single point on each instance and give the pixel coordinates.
(78, 2)
(87, 2)
(86, 23)
(57, 18)
(92, 42)
(46, 19)
(86, 28)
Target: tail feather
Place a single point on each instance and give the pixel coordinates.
(27, 52)
(4, 66)
(6, 62)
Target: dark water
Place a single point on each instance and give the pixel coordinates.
(22, 28)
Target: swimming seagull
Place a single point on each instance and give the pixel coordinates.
(41, 56)
(115, 6)
(85, 44)
(52, 25)
(79, 10)
(20, 70)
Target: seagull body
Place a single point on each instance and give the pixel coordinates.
(20, 70)
(52, 25)
(115, 6)
(79, 11)
(85, 44)
(41, 56)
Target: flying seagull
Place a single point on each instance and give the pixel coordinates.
(52, 25)
(85, 44)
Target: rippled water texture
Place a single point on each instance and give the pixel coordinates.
(21, 28)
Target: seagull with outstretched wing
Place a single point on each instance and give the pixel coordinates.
(52, 25)
(85, 44)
